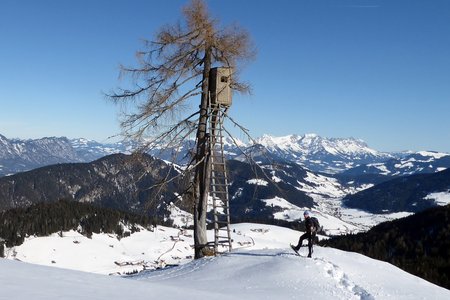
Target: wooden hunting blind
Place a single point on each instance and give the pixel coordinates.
(220, 86)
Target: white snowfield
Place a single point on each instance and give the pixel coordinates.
(440, 198)
(261, 267)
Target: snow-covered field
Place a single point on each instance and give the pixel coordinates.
(261, 266)
(440, 198)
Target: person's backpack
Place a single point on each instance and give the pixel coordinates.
(316, 224)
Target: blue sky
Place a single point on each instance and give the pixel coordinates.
(374, 70)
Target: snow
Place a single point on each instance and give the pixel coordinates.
(440, 198)
(322, 185)
(275, 178)
(262, 266)
(324, 212)
(364, 220)
(383, 169)
(334, 226)
(436, 155)
(104, 253)
(406, 164)
(290, 212)
(180, 217)
(310, 143)
(257, 181)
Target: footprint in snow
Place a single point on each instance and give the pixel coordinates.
(344, 282)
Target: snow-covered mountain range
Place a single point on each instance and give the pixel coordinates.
(413, 163)
(329, 155)
(22, 155)
(318, 154)
(292, 164)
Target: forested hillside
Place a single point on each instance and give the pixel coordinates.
(43, 219)
(401, 194)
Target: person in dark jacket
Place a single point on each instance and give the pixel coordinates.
(311, 225)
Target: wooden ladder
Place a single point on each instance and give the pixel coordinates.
(219, 181)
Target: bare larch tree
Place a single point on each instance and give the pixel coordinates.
(172, 71)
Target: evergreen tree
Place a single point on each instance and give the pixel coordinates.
(43, 219)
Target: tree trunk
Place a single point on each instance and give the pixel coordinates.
(202, 174)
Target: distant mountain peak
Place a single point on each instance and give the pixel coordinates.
(320, 153)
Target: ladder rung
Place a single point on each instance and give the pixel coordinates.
(222, 237)
(222, 222)
(221, 215)
(218, 192)
(223, 242)
(225, 215)
(222, 207)
(220, 177)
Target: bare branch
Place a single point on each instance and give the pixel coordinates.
(171, 70)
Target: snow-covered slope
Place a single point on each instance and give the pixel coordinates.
(262, 268)
(404, 194)
(414, 163)
(22, 155)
